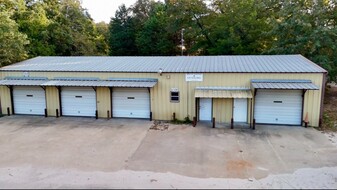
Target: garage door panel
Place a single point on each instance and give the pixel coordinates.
(29, 100)
(278, 107)
(78, 101)
(131, 102)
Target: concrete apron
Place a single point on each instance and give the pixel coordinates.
(89, 145)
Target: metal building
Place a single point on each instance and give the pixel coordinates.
(267, 89)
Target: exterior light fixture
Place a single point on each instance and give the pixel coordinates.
(160, 71)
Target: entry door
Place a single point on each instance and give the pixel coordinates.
(278, 107)
(78, 101)
(240, 110)
(29, 100)
(131, 102)
(205, 109)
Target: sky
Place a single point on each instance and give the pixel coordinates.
(103, 10)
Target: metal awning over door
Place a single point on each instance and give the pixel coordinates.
(222, 92)
(77, 82)
(283, 84)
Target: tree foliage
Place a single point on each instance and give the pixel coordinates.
(49, 27)
(30, 28)
(122, 33)
(307, 28)
(231, 27)
(12, 42)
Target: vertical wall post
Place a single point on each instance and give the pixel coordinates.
(174, 116)
(213, 122)
(8, 111)
(194, 121)
(111, 106)
(254, 121)
(108, 114)
(196, 107)
(57, 113)
(12, 99)
(251, 113)
(253, 124)
(232, 123)
(60, 99)
(45, 113)
(149, 90)
(96, 114)
(302, 112)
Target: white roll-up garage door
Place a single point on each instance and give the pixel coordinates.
(278, 107)
(29, 100)
(131, 102)
(78, 101)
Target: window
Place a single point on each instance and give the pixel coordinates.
(174, 96)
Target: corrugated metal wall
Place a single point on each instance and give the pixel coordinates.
(222, 110)
(161, 106)
(103, 102)
(52, 100)
(5, 99)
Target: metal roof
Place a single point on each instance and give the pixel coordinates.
(172, 64)
(79, 83)
(284, 84)
(222, 92)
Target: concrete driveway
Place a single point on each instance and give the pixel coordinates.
(240, 153)
(89, 145)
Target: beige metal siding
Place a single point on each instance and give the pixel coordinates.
(5, 99)
(222, 109)
(103, 102)
(312, 98)
(161, 106)
(52, 97)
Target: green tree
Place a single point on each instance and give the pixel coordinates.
(238, 27)
(75, 29)
(307, 28)
(154, 39)
(12, 42)
(196, 19)
(102, 38)
(33, 21)
(122, 33)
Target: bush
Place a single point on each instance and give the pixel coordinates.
(185, 121)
